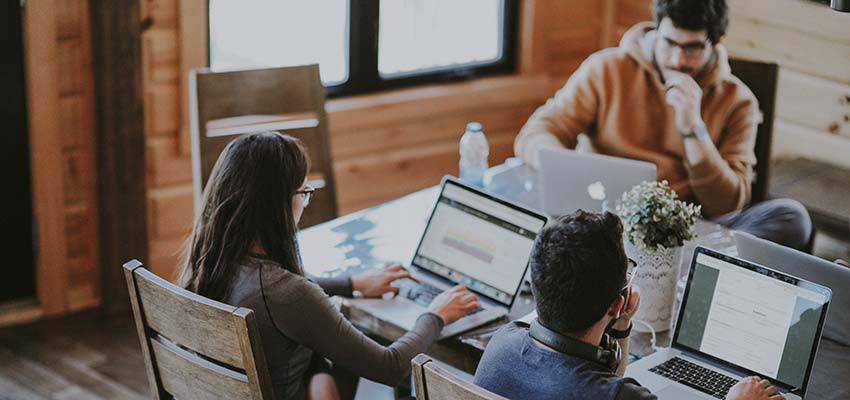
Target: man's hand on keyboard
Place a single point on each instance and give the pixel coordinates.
(453, 304)
(753, 388)
(374, 282)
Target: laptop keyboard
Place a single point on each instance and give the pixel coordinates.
(423, 293)
(695, 376)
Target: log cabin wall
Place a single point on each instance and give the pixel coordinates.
(76, 120)
(60, 91)
(60, 96)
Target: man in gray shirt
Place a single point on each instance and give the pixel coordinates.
(584, 305)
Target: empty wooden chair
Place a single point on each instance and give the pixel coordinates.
(195, 348)
(225, 105)
(433, 382)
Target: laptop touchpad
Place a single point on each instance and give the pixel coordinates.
(676, 392)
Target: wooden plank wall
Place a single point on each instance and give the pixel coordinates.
(811, 43)
(383, 145)
(76, 121)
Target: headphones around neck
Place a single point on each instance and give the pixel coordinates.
(607, 353)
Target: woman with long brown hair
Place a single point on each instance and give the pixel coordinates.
(243, 251)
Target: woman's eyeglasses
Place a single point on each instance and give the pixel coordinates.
(307, 192)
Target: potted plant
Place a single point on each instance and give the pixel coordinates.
(656, 225)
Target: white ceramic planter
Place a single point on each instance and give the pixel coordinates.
(656, 277)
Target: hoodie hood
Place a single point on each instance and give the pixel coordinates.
(639, 41)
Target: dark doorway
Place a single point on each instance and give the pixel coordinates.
(16, 217)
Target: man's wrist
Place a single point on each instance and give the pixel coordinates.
(622, 324)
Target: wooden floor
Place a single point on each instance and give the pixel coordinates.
(85, 356)
(82, 356)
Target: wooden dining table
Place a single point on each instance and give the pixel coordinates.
(389, 233)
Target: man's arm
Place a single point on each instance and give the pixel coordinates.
(719, 175)
(559, 122)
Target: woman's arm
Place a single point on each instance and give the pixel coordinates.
(311, 320)
(336, 286)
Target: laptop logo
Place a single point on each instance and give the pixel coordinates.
(596, 191)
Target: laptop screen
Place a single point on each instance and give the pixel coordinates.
(479, 241)
(752, 317)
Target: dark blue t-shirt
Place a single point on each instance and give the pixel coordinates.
(515, 367)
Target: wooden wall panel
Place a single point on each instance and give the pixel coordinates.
(757, 40)
(69, 23)
(160, 13)
(167, 208)
(72, 66)
(57, 43)
(814, 102)
(163, 102)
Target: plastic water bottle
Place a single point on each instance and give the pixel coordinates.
(474, 151)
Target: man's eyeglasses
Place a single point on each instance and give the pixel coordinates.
(689, 50)
(307, 192)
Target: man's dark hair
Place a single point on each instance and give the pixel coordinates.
(694, 15)
(578, 268)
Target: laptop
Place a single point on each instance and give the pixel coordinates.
(809, 267)
(571, 180)
(737, 319)
(473, 238)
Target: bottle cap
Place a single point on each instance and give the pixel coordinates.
(474, 127)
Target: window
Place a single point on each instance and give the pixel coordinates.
(367, 45)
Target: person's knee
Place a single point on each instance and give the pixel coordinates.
(795, 219)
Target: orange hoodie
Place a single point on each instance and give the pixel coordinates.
(617, 98)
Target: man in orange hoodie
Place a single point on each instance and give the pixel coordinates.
(666, 95)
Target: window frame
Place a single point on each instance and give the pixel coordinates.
(363, 74)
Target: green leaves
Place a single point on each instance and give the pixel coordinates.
(654, 218)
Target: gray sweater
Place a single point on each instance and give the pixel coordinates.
(311, 324)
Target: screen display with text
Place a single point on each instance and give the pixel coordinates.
(756, 319)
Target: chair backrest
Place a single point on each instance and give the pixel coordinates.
(433, 382)
(225, 105)
(195, 348)
(761, 78)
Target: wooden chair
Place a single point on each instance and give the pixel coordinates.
(433, 382)
(225, 105)
(195, 348)
(761, 78)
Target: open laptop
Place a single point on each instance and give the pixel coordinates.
(472, 238)
(571, 180)
(738, 319)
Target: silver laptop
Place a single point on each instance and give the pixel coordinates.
(472, 238)
(737, 319)
(571, 180)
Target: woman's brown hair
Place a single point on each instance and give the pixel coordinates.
(247, 200)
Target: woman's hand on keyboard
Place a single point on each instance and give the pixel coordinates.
(453, 304)
(754, 388)
(374, 282)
